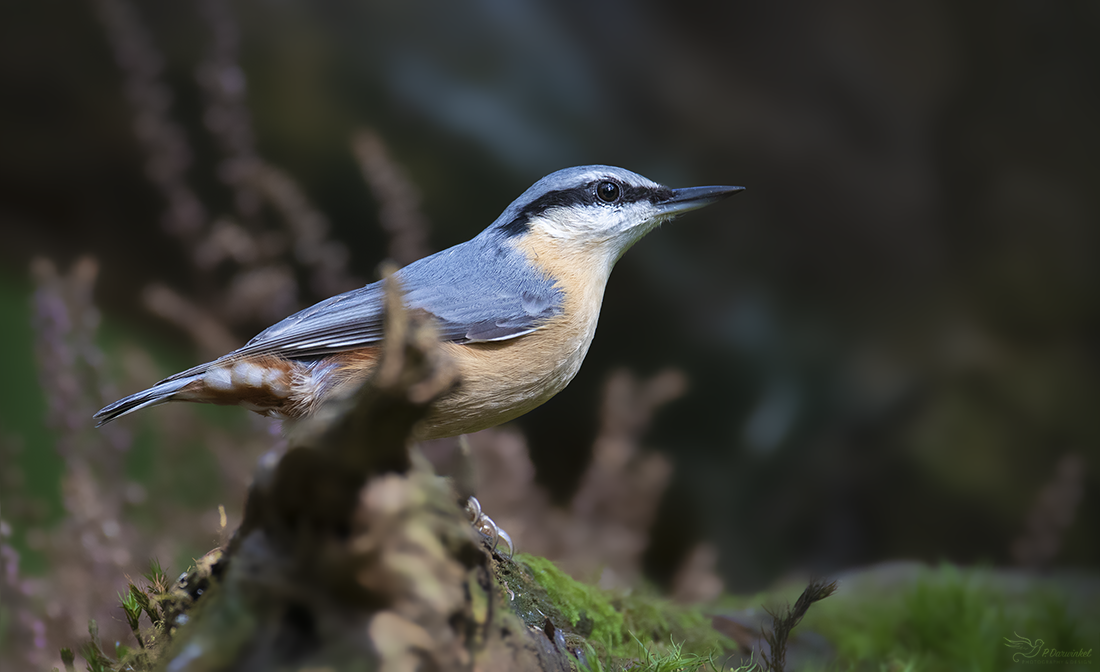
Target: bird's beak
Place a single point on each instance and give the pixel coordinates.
(692, 198)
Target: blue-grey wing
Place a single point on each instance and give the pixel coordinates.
(350, 320)
(477, 292)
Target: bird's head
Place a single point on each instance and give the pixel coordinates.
(598, 210)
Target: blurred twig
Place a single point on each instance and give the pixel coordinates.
(100, 539)
(1052, 514)
(783, 625)
(622, 486)
(168, 154)
(265, 255)
(27, 625)
(326, 259)
(697, 579)
(70, 364)
(628, 408)
(94, 545)
(209, 333)
(226, 116)
(400, 214)
(606, 528)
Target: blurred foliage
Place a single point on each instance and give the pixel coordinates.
(918, 618)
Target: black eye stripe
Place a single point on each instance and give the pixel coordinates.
(654, 195)
(563, 198)
(584, 195)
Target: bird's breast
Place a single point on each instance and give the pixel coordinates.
(503, 380)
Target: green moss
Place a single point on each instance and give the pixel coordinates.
(671, 659)
(943, 619)
(622, 623)
(579, 603)
(654, 619)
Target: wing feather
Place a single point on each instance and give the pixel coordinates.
(478, 292)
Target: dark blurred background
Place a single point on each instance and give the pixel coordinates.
(891, 339)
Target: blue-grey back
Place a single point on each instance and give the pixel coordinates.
(480, 290)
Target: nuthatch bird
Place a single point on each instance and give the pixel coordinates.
(516, 308)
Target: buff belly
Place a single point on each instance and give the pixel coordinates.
(497, 381)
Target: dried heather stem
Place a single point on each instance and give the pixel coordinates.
(399, 213)
(168, 154)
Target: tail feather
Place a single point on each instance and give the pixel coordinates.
(160, 393)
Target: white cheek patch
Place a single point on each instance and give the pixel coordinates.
(597, 229)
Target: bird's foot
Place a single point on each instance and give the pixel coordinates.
(486, 527)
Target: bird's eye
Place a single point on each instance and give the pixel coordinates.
(608, 192)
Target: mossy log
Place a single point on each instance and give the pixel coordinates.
(353, 555)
